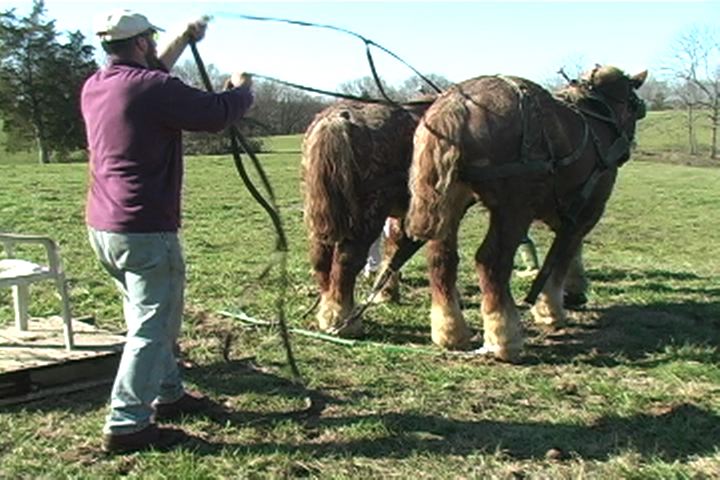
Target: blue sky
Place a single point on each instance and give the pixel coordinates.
(458, 40)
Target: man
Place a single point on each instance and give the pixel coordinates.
(134, 114)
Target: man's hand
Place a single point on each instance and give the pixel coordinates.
(196, 30)
(238, 79)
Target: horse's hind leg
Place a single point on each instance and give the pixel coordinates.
(449, 329)
(321, 259)
(338, 300)
(321, 255)
(502, 330)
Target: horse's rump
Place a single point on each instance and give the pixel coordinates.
(436, 155)
(355, 161)
(329, 178)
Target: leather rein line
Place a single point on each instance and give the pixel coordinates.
(237, 140)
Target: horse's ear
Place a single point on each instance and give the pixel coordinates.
(637, 80)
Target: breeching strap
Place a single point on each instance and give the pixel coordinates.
(237, 140)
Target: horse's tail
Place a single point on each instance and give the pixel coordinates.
(434, 168)
(329, 177)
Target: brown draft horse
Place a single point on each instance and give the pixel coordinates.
(355, 165)
(526, 155)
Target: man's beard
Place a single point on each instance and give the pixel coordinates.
(154, 62)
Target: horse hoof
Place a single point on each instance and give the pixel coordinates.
(508, 354)
(450, 342)
(351, 329)
(544, 319)
(574, 301)
(386, 297)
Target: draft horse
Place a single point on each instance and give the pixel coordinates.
(526, 155)
(355, 163)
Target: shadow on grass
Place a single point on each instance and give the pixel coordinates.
(624, 334)
(609, 336)
(675, 434)
(224, 379)
(614, 275)
(618, 282)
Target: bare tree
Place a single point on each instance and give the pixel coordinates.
(657, 94)
(188, 72)
(687, 95)
(414, 86)
(284, 110)
(367, 87)
(695, 64)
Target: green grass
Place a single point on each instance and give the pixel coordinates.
(631, 389)
(283, 143)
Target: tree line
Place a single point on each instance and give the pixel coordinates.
(42, 72)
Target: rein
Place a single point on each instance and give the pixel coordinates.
(368, 43)
(281, 246)
(404, 253)
(329, 93)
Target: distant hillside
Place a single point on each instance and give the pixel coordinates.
(666, 131)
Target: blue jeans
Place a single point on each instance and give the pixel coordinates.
(149, 271)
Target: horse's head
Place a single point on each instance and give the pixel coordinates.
(610, 89)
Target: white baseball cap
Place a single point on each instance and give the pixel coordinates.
(122, 24)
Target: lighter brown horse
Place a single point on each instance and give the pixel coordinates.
(526, 155)
(355, 165)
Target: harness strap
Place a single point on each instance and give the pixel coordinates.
(577, 153)
(527, 164)
(523, 109)
(617, 151)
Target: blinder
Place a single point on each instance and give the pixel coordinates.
(638, 106)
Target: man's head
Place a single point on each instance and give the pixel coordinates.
(129, 35)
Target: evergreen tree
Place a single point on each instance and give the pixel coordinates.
(40, 82)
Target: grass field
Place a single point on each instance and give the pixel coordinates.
(631, 389)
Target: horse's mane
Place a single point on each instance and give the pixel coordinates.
(575, 92)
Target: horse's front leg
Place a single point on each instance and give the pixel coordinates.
(338, 300)
(549, 309)
(502, 330)
(576, 282)
(394, 236)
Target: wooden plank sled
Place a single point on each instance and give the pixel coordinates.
(35, 363)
